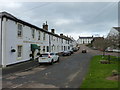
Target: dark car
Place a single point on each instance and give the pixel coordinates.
(71, 51)
(84, 51)
(66, 53)
(75, 49)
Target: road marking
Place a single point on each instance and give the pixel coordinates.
(11, 77)
(71, 77)
(17, 86)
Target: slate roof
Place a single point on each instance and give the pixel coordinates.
(117, 28)
(85, 37)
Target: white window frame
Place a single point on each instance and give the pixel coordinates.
(44, 36)
(20, 30)
(39, 35)
(19, 57)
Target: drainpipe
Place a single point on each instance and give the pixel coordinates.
(1, 43)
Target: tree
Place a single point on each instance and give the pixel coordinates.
(101, 44)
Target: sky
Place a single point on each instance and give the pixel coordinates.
(70, 18)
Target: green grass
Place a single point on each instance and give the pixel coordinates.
(96, 76)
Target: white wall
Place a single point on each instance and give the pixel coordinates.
(86, 41)
(0, 44)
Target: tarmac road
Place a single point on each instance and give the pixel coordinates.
(68, 73)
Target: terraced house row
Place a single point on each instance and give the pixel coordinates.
(20, 41)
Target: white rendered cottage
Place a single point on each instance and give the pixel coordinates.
(84, 40)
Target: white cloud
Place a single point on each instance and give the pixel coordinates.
(65, 21)
(62, 21)
(10, 5)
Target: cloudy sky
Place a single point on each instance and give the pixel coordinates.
(72, 19)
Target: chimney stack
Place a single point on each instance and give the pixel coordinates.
(45, 26)
(61, 35)
(52, 30)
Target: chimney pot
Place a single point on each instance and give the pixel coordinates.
(61, 35)
(52, 30)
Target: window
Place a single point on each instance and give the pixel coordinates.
(68, 47)
(33, 33)
(47, 48)
(68, 42)
(62, 40)
(39, 35)
(62, 48)
(43, 48)
(20, 28)
(19, 51)
(54, 38)
(57, 39)
(43, 36)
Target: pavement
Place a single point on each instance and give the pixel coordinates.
(68, 73)
(20, 67)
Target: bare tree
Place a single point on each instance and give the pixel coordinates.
(101, 44)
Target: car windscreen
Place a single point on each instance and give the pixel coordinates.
(52, 54)
(44, 55)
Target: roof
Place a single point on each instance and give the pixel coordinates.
(117, 28)
(11, 17)
(85, 37)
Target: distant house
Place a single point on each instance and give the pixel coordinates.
(114, 32)
(84, 40)
(114, 38)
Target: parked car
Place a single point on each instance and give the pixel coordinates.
(94, 48)
(116, 50)
(48, 58)
(75, 49)
(66, 53)
(71, 51)
(109, 49)
(84, 51)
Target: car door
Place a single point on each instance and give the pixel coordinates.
(56, 55)
(53, 56)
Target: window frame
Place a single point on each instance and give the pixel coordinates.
(39, 35)
(44, 35)
(18, 51)
(20, 29)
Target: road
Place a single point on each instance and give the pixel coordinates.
(68, 73)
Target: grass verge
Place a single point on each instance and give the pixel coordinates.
(96, 77)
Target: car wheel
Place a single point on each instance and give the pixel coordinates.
(51, 63)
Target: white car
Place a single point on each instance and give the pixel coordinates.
(48, 58)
